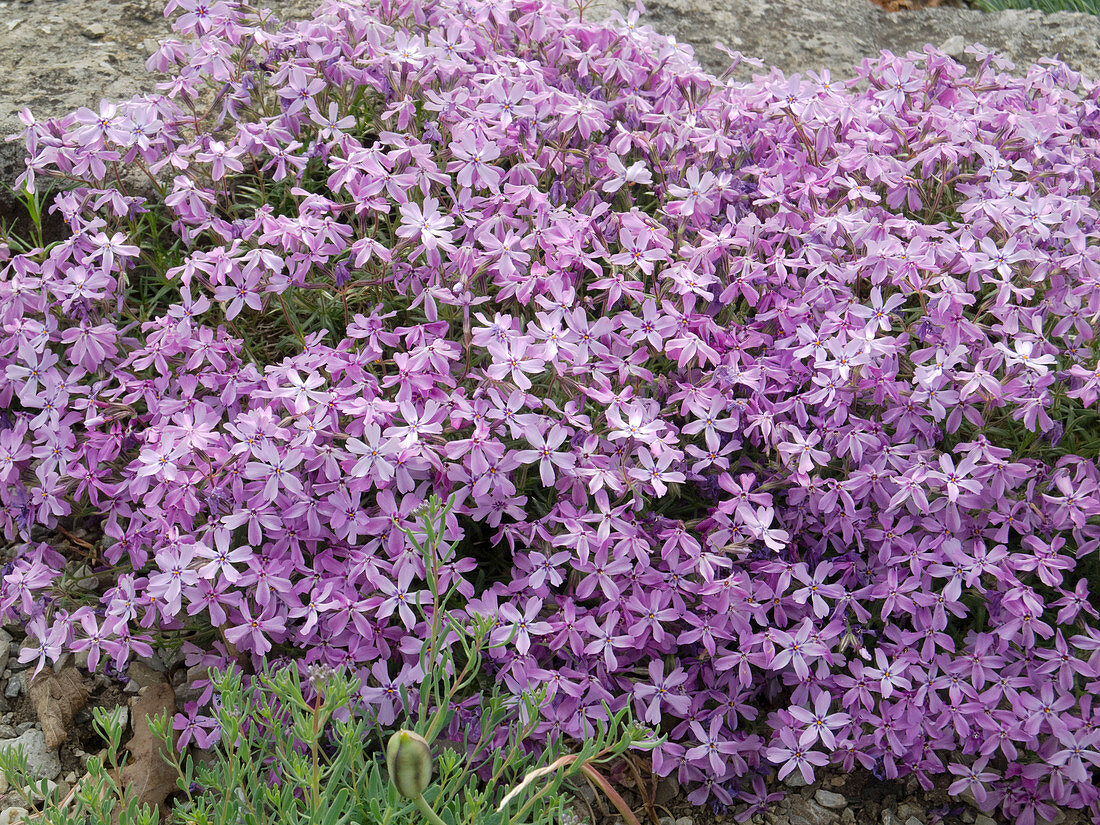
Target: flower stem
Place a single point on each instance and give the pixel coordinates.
(426, 809)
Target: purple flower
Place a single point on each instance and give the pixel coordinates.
(791, 756)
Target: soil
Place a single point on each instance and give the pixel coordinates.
(82, 739)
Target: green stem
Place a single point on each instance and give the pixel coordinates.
(426, 809)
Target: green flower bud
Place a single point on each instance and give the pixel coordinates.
(409, 759)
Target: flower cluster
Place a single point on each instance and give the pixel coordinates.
(769, 408)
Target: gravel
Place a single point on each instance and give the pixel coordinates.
(828, 799)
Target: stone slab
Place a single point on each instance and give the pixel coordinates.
(808, 35)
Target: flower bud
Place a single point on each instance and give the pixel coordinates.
(409, 759)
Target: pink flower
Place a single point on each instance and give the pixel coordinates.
(546, 453)
(254, 633)
(621, 175)
(791, 755)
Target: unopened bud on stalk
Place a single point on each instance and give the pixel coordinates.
(409, 759)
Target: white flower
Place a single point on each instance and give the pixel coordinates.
(1025, 353)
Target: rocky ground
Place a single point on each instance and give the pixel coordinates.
(58, 55)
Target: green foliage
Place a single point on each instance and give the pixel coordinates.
(1086, 6)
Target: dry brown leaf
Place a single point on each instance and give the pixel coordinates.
(146, 776)
(912, 5)
(56, 698)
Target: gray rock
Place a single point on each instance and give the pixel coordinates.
(811, 812)
(41, 762)
(154, 663)
(913, 821)
(907, 810)
(14, 687)
(982, 819)
(23, 727)
(829, 799)
(86, 580)
(7, 732)
(794, 780)
(685, 820)
(141, 675)
(5, 649)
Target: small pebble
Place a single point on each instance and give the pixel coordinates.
(794, 780)
(913, 821)
(23, 727)
(982, 819)
(34, 790)
(86, 580)
(685, 820)
(15, 686)
(829, 799)
(13, 815)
